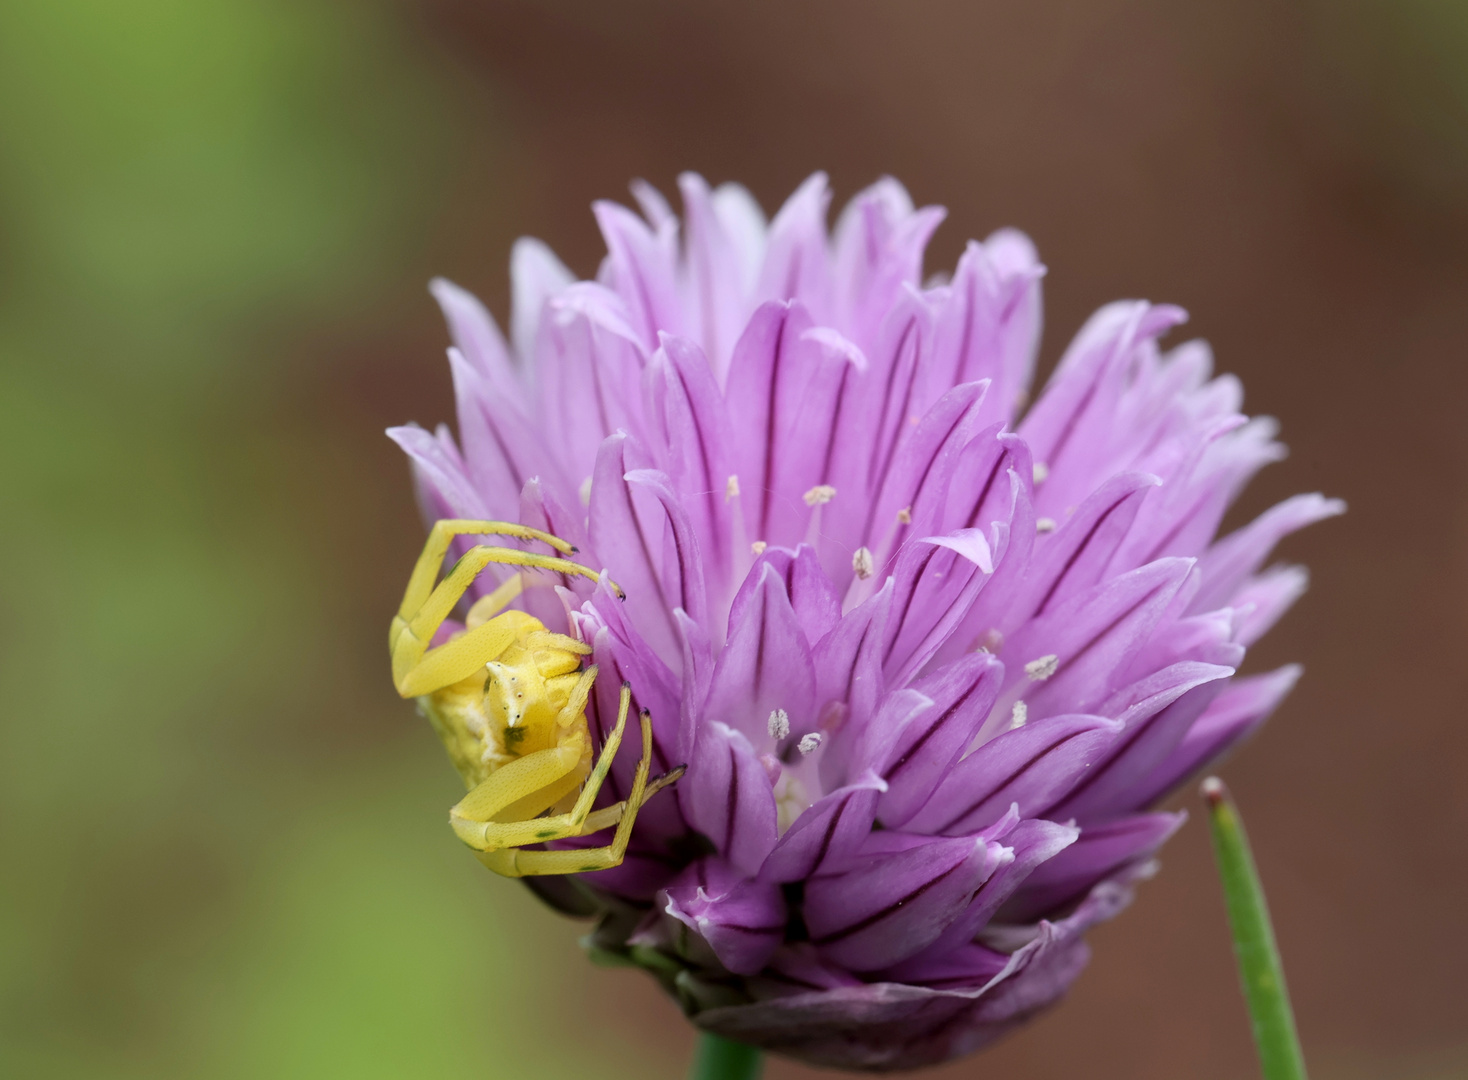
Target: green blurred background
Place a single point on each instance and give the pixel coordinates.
(222, 842)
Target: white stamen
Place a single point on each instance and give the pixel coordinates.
(1018, 715)
(904, 516)
(779, 724)
(819, 495)
(1041, 471)
(862, 564)
(731, 489)
(585, 492)
(1041, 669)
(1045, 525)
(808, 743)
(758, 548)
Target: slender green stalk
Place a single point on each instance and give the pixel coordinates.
(1259, 967)
(718, 1058)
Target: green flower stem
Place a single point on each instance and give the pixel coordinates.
(1259, 967)
(718, 1058)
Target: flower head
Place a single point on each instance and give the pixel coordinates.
(929, 654)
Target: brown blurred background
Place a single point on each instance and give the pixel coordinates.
(222, 836)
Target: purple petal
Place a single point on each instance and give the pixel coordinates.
(1233, 716)
(536, 275)
(726, 796)
(905, 339)
(1155, 715)
(1102, 851)
(937, 581)
(926, 748)
(698, 673)
(1073, 427)
(719, 282)
(816, 605)
(874, 744)
(1075, 557)
(798, 966)
(878, 247)
(741, 921)
(917, 484)
(1032, 843)
(827, 836)
(542, 509)
(588, 372)
(766, 379)
(981, 493)
(1263, 599)
(626, 531)
(989, 328)
(686, 412)
(907, 891)
(643, 268)
(826, 371)
(444, 490)
(1230, 561)
(1182, 518)
(1032, 766)
(682, 575)
(620, 660)
(795, 258)
(1093, 635)
(766, 664)
(501, 449)
(1207, 638)
(848, 660)
(478, 339)
(962, 966)
(552, 606)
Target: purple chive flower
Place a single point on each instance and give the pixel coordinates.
(929, 653)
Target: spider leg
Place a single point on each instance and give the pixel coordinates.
(487, 607)
(537, 780)
(513, 862)
(419, 670)
(595, 821)
(471, 818)
(425, 573)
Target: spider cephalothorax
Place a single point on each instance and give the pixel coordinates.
(508, 699)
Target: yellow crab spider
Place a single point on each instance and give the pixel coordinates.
(508, 699)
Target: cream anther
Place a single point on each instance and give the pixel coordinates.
(1045, 525)
(731, 488)
(861, 563)
(779, 724)
(1040, 471)
(904, 516)
(1041, 669)
(808, 743)
(819, 495)
(758, 548)
(1018, 715)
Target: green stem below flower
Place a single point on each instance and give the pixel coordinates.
(718, 1058)
(1260, 970)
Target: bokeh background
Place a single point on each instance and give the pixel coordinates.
(222, 849)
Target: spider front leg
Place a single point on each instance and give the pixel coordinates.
(512, 862)
(419, 670)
